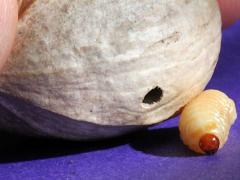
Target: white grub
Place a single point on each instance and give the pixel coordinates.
(206, 121)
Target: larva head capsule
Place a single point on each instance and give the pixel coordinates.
(209, 143)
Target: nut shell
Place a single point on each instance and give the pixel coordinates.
(95, 61)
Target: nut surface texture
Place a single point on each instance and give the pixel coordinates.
(116, 63)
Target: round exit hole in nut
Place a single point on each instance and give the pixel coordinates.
(152, 97)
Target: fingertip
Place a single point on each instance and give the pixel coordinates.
(8, 24)
(230, 10)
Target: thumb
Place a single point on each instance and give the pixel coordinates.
(8, 23)
(230, 10)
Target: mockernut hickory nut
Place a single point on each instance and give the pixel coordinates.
(94, 69)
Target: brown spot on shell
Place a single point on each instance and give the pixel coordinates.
(23, 6)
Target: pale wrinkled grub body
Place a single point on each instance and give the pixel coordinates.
(212, 112)
(95, 61)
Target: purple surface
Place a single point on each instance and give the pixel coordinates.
(154, 154)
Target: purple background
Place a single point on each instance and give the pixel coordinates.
(154, 154)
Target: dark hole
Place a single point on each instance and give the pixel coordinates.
(153, 96)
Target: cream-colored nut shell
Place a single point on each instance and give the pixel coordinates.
(94, 60)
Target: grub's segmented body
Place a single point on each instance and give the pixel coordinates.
(205, 122)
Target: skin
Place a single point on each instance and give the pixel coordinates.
(230, 10)
(8, 21)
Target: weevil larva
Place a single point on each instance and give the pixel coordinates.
(205, 122)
